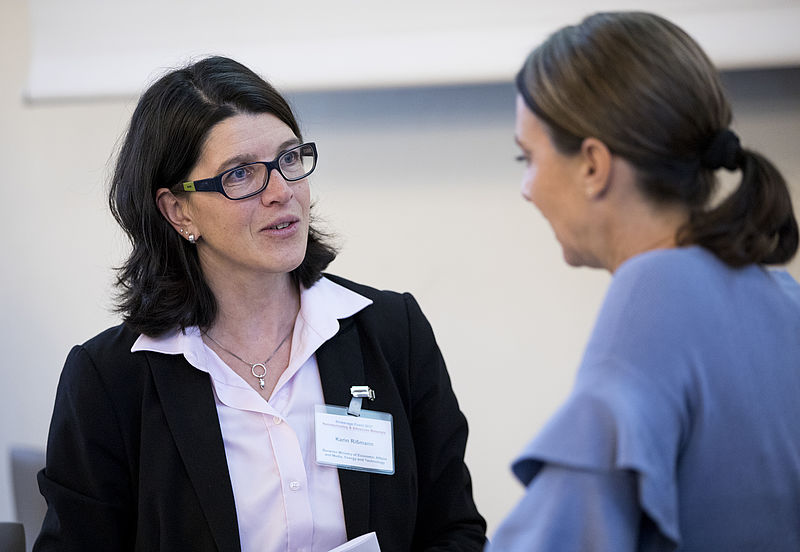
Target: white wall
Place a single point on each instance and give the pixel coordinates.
(434, 209)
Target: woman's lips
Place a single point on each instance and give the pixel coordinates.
(282, 227)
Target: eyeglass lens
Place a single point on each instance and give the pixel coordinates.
(249, 179)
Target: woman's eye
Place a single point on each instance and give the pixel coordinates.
(290, 158)
(239, 174)
(239, 177)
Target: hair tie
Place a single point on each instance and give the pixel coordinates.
(725, 150)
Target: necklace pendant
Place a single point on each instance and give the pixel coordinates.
(260, 374)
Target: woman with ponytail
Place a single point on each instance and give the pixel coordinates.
(682, 431)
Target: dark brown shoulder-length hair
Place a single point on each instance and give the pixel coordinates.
(646, 89)
(161, 284)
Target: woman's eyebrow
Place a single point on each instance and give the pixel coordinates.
(291, 142)
(242, 158)
(238, 159)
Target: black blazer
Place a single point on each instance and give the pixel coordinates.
(135, 458)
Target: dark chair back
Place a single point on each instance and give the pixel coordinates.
(31, 506)
(12, 537)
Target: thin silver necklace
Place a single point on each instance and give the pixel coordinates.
(262, 366)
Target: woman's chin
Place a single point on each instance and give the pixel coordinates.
(572, 257)
(293, 262)
(572, 260)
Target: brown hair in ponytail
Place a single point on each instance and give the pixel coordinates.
(647, 90)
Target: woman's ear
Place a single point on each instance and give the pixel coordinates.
(174, 209)
(596, 168)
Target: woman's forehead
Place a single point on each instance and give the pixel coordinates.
(260, 135)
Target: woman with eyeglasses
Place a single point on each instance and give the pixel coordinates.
(248, 402)
(682, 431)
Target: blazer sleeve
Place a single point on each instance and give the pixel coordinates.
(86, 482)
(447, 519)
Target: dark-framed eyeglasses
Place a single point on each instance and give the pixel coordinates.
(250, 179)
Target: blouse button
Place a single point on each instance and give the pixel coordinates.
(276, 420)
(294, 485)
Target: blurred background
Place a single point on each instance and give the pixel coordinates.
(412, 107)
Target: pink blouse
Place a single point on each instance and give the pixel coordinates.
(285, 501)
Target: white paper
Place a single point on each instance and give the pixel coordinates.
(364, 543)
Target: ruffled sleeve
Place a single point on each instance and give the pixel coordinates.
(632, 407)
(616, 421)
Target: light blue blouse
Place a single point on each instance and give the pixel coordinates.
(682, 431)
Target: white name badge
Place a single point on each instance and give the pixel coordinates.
(362, 443)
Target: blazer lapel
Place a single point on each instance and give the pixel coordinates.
(341, 365)
(188, 403)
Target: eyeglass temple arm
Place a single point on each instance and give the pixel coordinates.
(204, 185)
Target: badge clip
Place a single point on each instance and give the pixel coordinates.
(359, 393)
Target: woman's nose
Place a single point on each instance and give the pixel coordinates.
(278, 190)
(525, 187)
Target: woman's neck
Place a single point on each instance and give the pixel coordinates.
(643, 228)
(255, 311)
